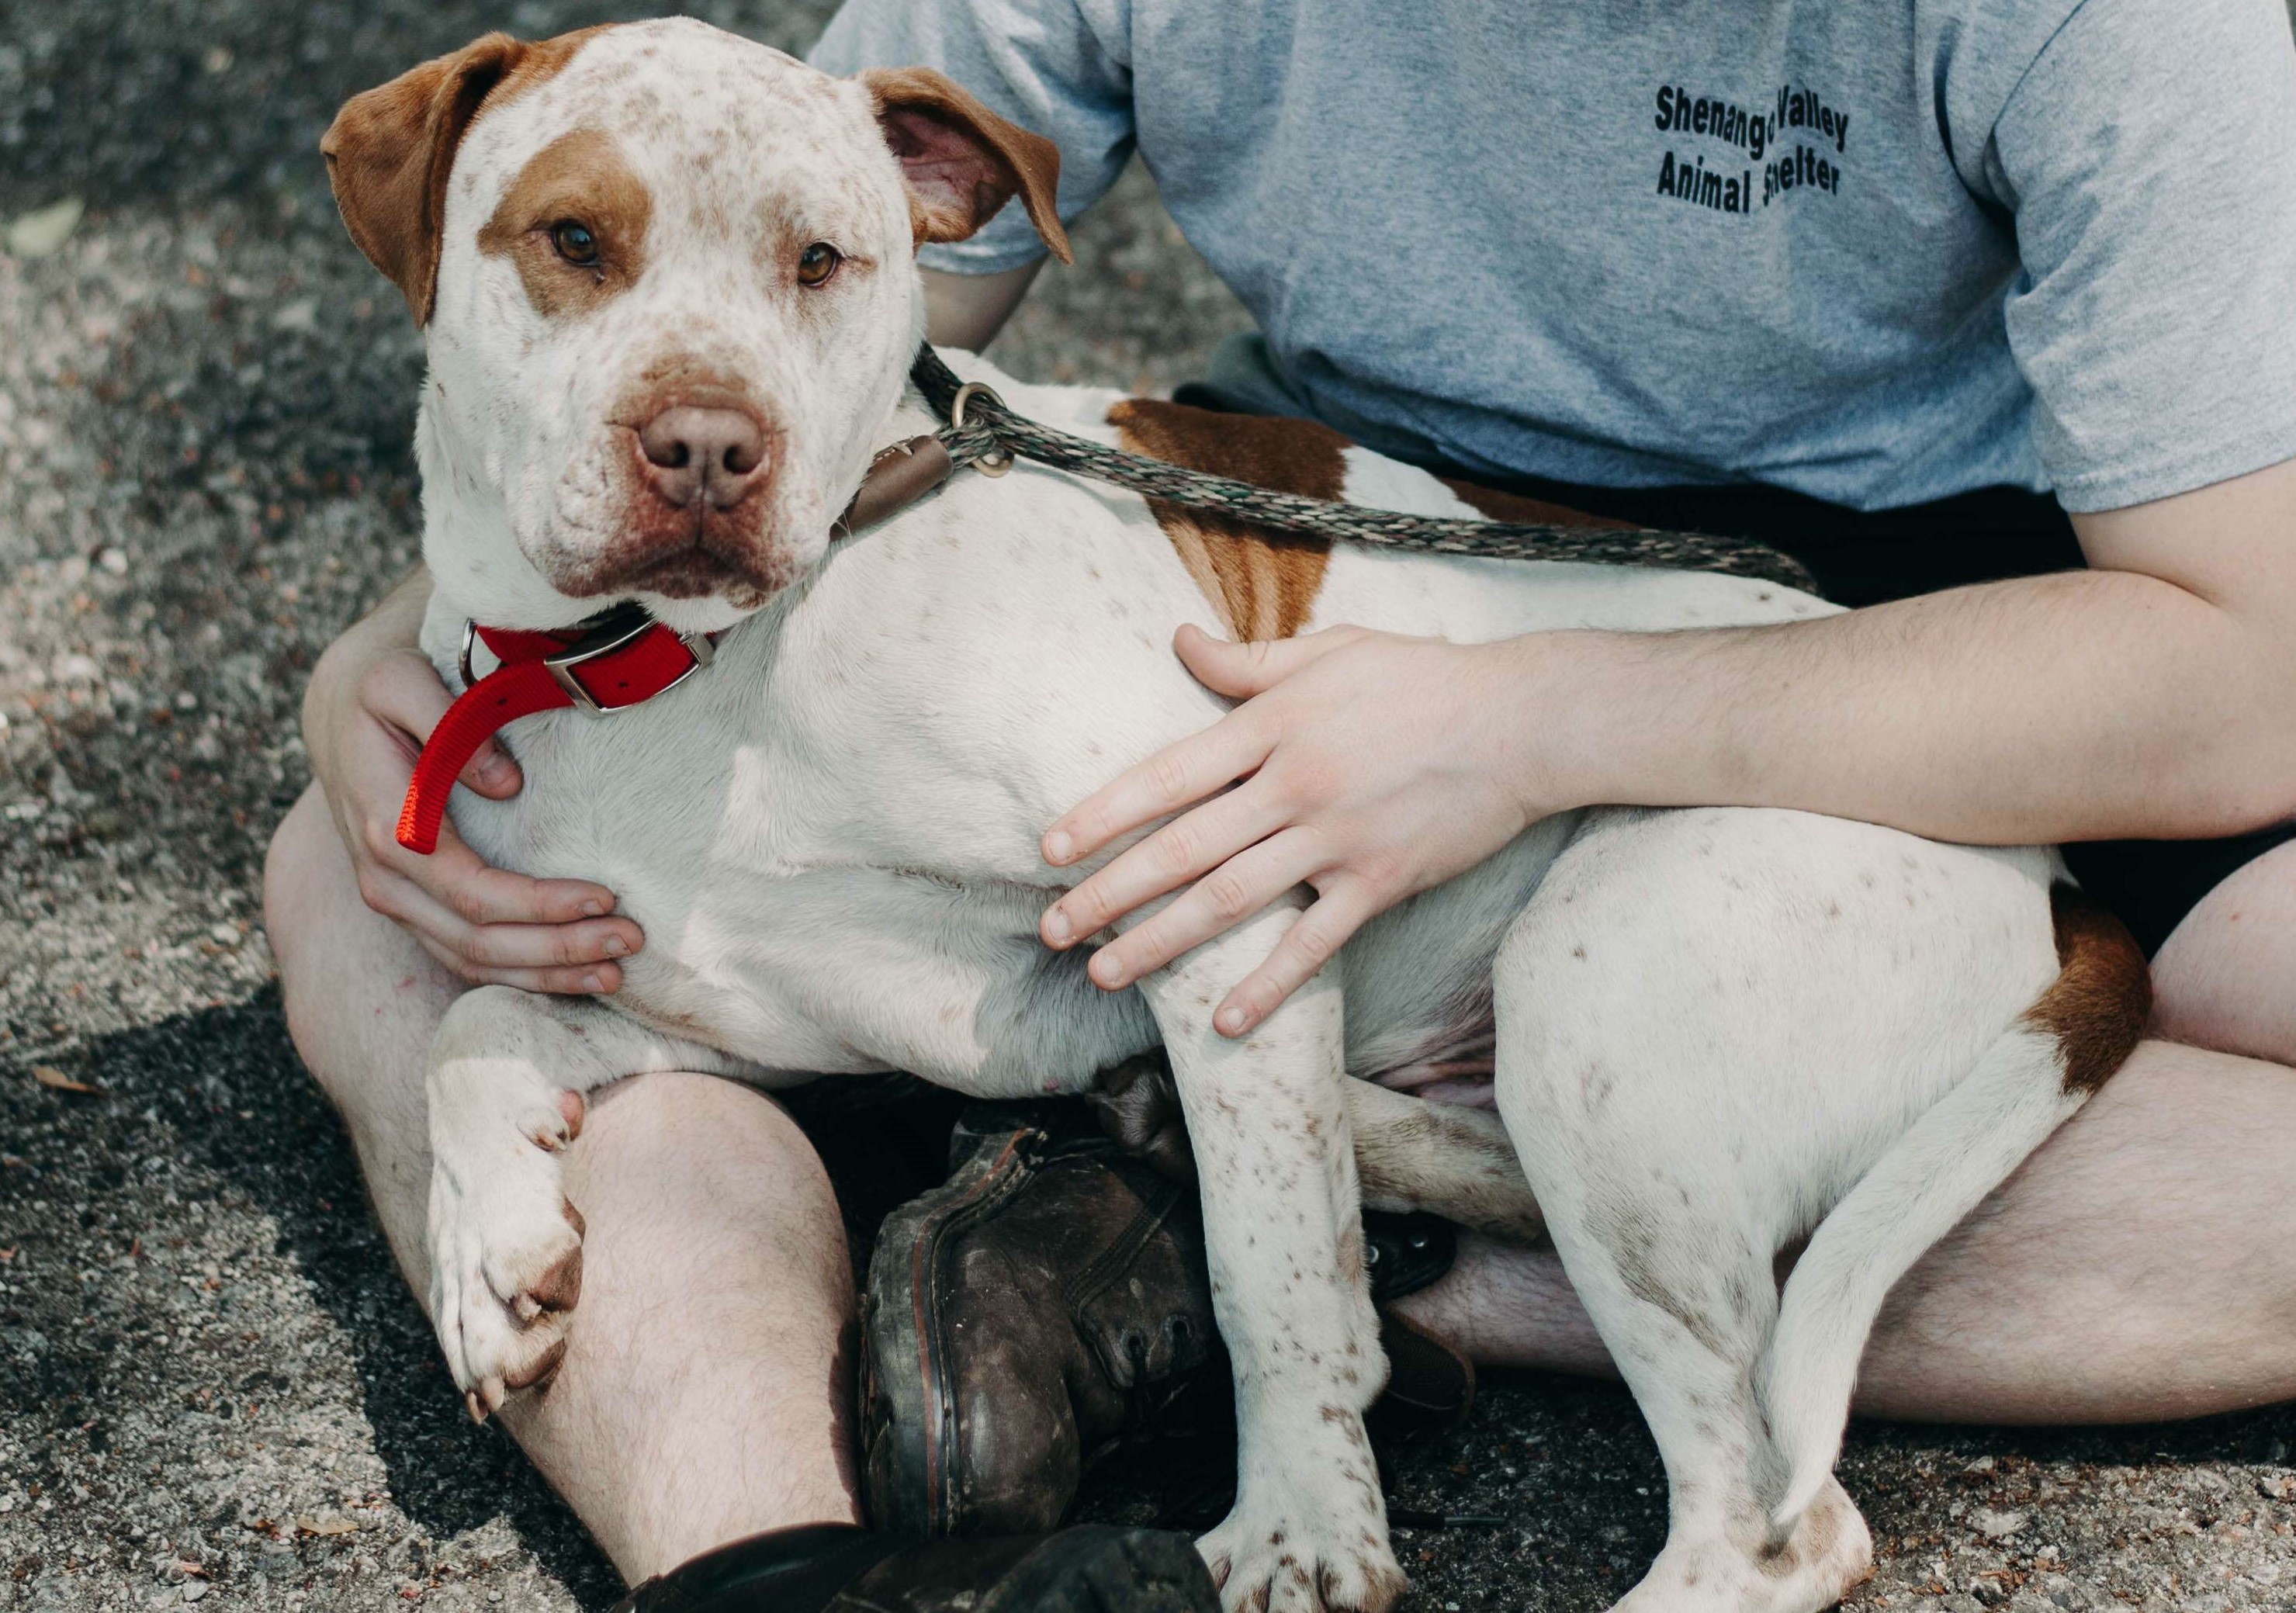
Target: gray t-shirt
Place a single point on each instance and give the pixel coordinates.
(1879, 253)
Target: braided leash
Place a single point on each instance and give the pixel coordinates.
(987, 434)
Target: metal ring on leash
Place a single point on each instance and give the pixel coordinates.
(997, 462)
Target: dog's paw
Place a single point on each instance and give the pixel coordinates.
(1303, 1561)
(506, 1255)
(1828, 1553)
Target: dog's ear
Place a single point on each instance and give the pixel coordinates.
(962, 161)
(388, 152)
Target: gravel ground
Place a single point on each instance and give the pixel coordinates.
(212, 1387)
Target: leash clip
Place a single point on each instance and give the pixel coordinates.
(996, 462)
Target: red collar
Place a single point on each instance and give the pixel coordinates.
(615, 660)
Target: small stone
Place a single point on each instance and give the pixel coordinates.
(1995, 1526)
(223, 935)
(2277, 1487)
(1982, 1464)
(1989, 1592)
(114, 559)
(193, 1589)
(42, 231)
(218, 61)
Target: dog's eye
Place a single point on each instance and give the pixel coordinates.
(817, 263)
(575, 243)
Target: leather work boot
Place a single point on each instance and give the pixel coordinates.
(836, 1568)
(1050, 1297)
(1050, 1303)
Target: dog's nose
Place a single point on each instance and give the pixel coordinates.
(695, 454)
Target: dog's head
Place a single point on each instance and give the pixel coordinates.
(668, 277)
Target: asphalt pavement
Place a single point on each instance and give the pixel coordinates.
(213, 1387)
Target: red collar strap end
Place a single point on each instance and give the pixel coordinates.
(621, 658)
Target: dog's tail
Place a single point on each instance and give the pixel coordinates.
(2028, 1082)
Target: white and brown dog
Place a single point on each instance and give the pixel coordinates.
(670, 287)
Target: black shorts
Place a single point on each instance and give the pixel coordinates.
(1863, 559)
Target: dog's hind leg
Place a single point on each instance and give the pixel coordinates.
(1443, 1158)
(1682, 1291)
(1685, 1300)
(1671, 1147)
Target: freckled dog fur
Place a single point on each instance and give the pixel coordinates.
(1707, 1035)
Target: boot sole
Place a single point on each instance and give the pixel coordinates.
(1099, 1569)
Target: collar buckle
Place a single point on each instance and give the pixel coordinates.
(604, 635)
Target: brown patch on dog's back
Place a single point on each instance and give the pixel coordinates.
(1264, 584)
(2102, 995)
(579, 177)
(1493, 504)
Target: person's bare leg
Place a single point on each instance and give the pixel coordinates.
(702, 1391)
(2138, 1267)
(2226, 978)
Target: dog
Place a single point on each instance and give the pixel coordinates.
(668, 281)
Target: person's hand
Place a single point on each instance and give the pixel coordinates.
(373, 699)
(1373, 767)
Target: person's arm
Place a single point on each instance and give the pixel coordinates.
(967, 310)
(2152, 696)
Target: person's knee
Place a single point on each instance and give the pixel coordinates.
(301, 874)
(706, 1136)
(2221, 980)
(358, 993)
(711, 1153)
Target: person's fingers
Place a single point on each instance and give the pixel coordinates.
(1242, 670)
(459, 880)
(1338, 913)
(1171, 779)
(541, 947)
(403, 693)
(580, 980)
(1192, 844)
(564, 957)
(384, 892)
(490, 772)
(1229, 894)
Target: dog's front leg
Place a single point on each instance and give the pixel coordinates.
(1285, 1239)
(508, 1072)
